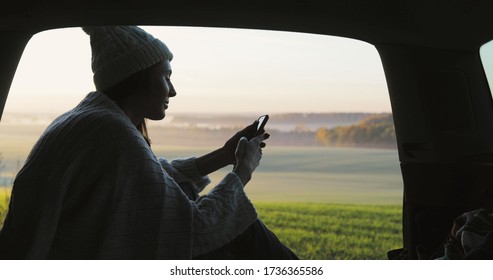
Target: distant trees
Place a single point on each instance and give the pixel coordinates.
(373, 131)
(293, 129)
(4, 194)
(2, 167)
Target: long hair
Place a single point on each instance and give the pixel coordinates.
(128, 87)
(142, 128)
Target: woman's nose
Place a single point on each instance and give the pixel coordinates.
(172, 91)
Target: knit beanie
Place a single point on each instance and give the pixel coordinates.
(120, 51)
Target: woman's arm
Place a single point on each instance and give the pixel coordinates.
(212, 161)
(225, 155)
(227, 203)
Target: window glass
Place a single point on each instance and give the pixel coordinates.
(486, 52)
(329, 182)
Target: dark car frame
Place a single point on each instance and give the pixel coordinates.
(441, 102)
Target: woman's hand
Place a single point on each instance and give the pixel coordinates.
(248, 154)
(225, 155)
(230, 146)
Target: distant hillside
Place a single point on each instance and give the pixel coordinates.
(283, 122)
(207, 137)
(373, 131)
(19, 132)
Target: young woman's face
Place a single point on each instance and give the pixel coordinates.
(158, 91)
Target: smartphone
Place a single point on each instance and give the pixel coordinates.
(262, 120)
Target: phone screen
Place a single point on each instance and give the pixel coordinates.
(262, 120)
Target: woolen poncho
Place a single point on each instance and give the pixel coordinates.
(92, 188)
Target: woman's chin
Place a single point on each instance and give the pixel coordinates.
(157, 117)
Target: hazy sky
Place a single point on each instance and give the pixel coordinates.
(217, 70)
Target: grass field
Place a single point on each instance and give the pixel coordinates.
(325, 175)
(4, 202)
(320, 231)
(334, 231)
(324, 203)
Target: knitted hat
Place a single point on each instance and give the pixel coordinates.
(120, 51)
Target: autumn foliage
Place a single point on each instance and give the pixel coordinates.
(373, 131)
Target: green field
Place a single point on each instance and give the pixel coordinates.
(334, 231)
(324, 203)
(317, 231)
(325, 175)
(4, 202)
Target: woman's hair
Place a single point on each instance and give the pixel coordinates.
(127, 87)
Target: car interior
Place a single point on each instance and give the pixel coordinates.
(430, 51)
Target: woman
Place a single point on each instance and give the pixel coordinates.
(92, 188)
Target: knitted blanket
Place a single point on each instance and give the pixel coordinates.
(471, 237)
(92, 188)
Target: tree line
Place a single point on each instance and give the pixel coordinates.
(373, 131)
